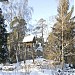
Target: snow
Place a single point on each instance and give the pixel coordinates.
(29, 68)
(28, 38)
(36, 72)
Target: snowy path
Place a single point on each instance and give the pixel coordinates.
(39, 68)
(34, 71)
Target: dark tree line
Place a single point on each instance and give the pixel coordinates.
(3, 40)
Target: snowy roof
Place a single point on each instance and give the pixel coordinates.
(28, 38)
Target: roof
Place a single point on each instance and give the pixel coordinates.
(28, 38)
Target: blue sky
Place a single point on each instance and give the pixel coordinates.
(44, 8)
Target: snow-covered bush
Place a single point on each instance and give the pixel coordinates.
(1, 65)
(8, 68)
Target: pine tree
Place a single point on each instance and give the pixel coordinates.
(18, 26)
(3, 40)
(63, 28)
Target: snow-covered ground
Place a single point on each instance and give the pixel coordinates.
(40, 67)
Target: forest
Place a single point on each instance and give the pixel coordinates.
(59, 45)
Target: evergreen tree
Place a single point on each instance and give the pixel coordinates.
(18, 26)
(61, 40)
(3, 39)
(63, 29)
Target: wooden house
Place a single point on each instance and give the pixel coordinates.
(29, 43)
